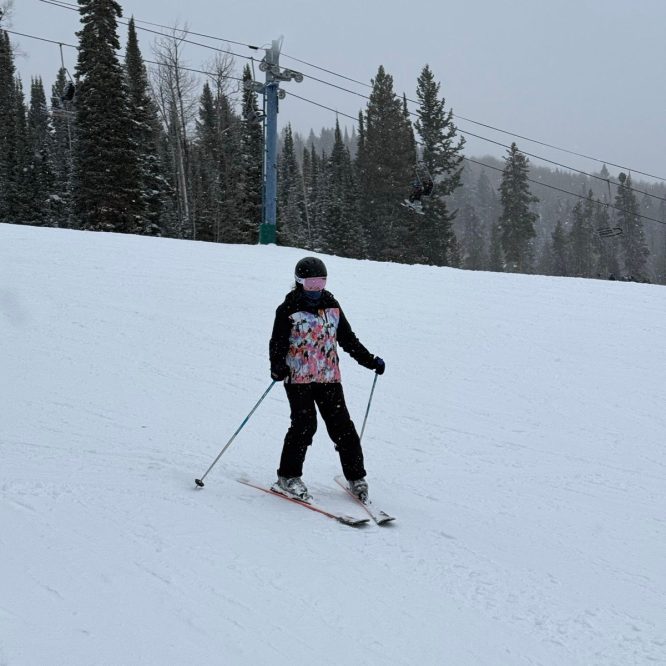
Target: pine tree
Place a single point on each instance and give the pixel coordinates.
(517, 220)
(559, 253)
(582, 258)
(8, 133)
(385, 163)
(64, 132)
(292, 225)
(661, 262)
(313, 182)
(607, 260)
(232, 230)
(442, 155)
(22, 207)
(251, 160)
(633, 236)
(207, 171)
(472, 240)
(106, 164)
(40, 172)
(344, 235)
(496, 254)
(144, 134)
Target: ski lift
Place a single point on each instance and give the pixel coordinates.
(422, 186)
(609, 232)
(68, 91)
(61, 105)
(254, 117)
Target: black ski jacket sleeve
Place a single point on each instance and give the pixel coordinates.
(279, 343)
(351, 344)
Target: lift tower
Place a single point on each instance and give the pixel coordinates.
(272, 93)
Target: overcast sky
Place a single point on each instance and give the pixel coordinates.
(586, 75)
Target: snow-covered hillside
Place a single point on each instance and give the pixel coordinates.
(518, 435)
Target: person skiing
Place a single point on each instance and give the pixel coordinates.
(303, 354)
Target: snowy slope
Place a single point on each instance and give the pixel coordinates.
(518, 435)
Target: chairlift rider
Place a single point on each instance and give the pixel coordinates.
(422, 186)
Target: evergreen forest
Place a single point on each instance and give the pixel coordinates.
(156, 148)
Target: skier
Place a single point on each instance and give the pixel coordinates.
(303, 353)
(420, 188)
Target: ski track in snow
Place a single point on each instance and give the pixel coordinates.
(517, 435)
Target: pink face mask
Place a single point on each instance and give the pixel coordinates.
(312, 283)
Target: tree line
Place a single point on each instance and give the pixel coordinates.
(116, 147)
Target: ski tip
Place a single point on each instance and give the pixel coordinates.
(353, 522)
(385, 520)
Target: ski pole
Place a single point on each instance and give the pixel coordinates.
(200, 482)
(367, 411)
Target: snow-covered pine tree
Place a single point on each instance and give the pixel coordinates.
(384, 163)
(249, 205)
(486, 203)
(144, 133)
(64, 131)
(559, 251)
(442, 155)
(8, 132)
(40, 173)
(607, 247)
(314, 185)
(660, 271)
(343, 235)
(582, 260)
(22, 205)
(495, 253)
(633, 236)
(291, 223)
(107, 193)
(517, 219)
(228, 140)
(207, 173)
(472, 239)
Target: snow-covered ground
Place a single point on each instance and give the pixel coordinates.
(518, 435)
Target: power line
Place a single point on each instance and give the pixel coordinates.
(503, 145)
(150, 62)
(573, 194)
(70, 5)
(476, 122)
(609, 205)
(322, 106)
(41, 39)
(346, 115)
(66, 5)
(57, 3)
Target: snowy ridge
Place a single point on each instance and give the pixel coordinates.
(518, 433)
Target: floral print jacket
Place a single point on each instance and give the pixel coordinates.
(306, 338)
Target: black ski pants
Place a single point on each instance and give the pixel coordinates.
(330, 400)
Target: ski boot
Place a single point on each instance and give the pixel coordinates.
(292, 487)
(359, 488)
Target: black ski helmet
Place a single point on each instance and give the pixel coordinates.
(310, 267)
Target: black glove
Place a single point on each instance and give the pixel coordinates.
(279, 372)
(380, 366)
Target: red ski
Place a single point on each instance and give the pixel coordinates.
(380, 517)
(341, 518)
